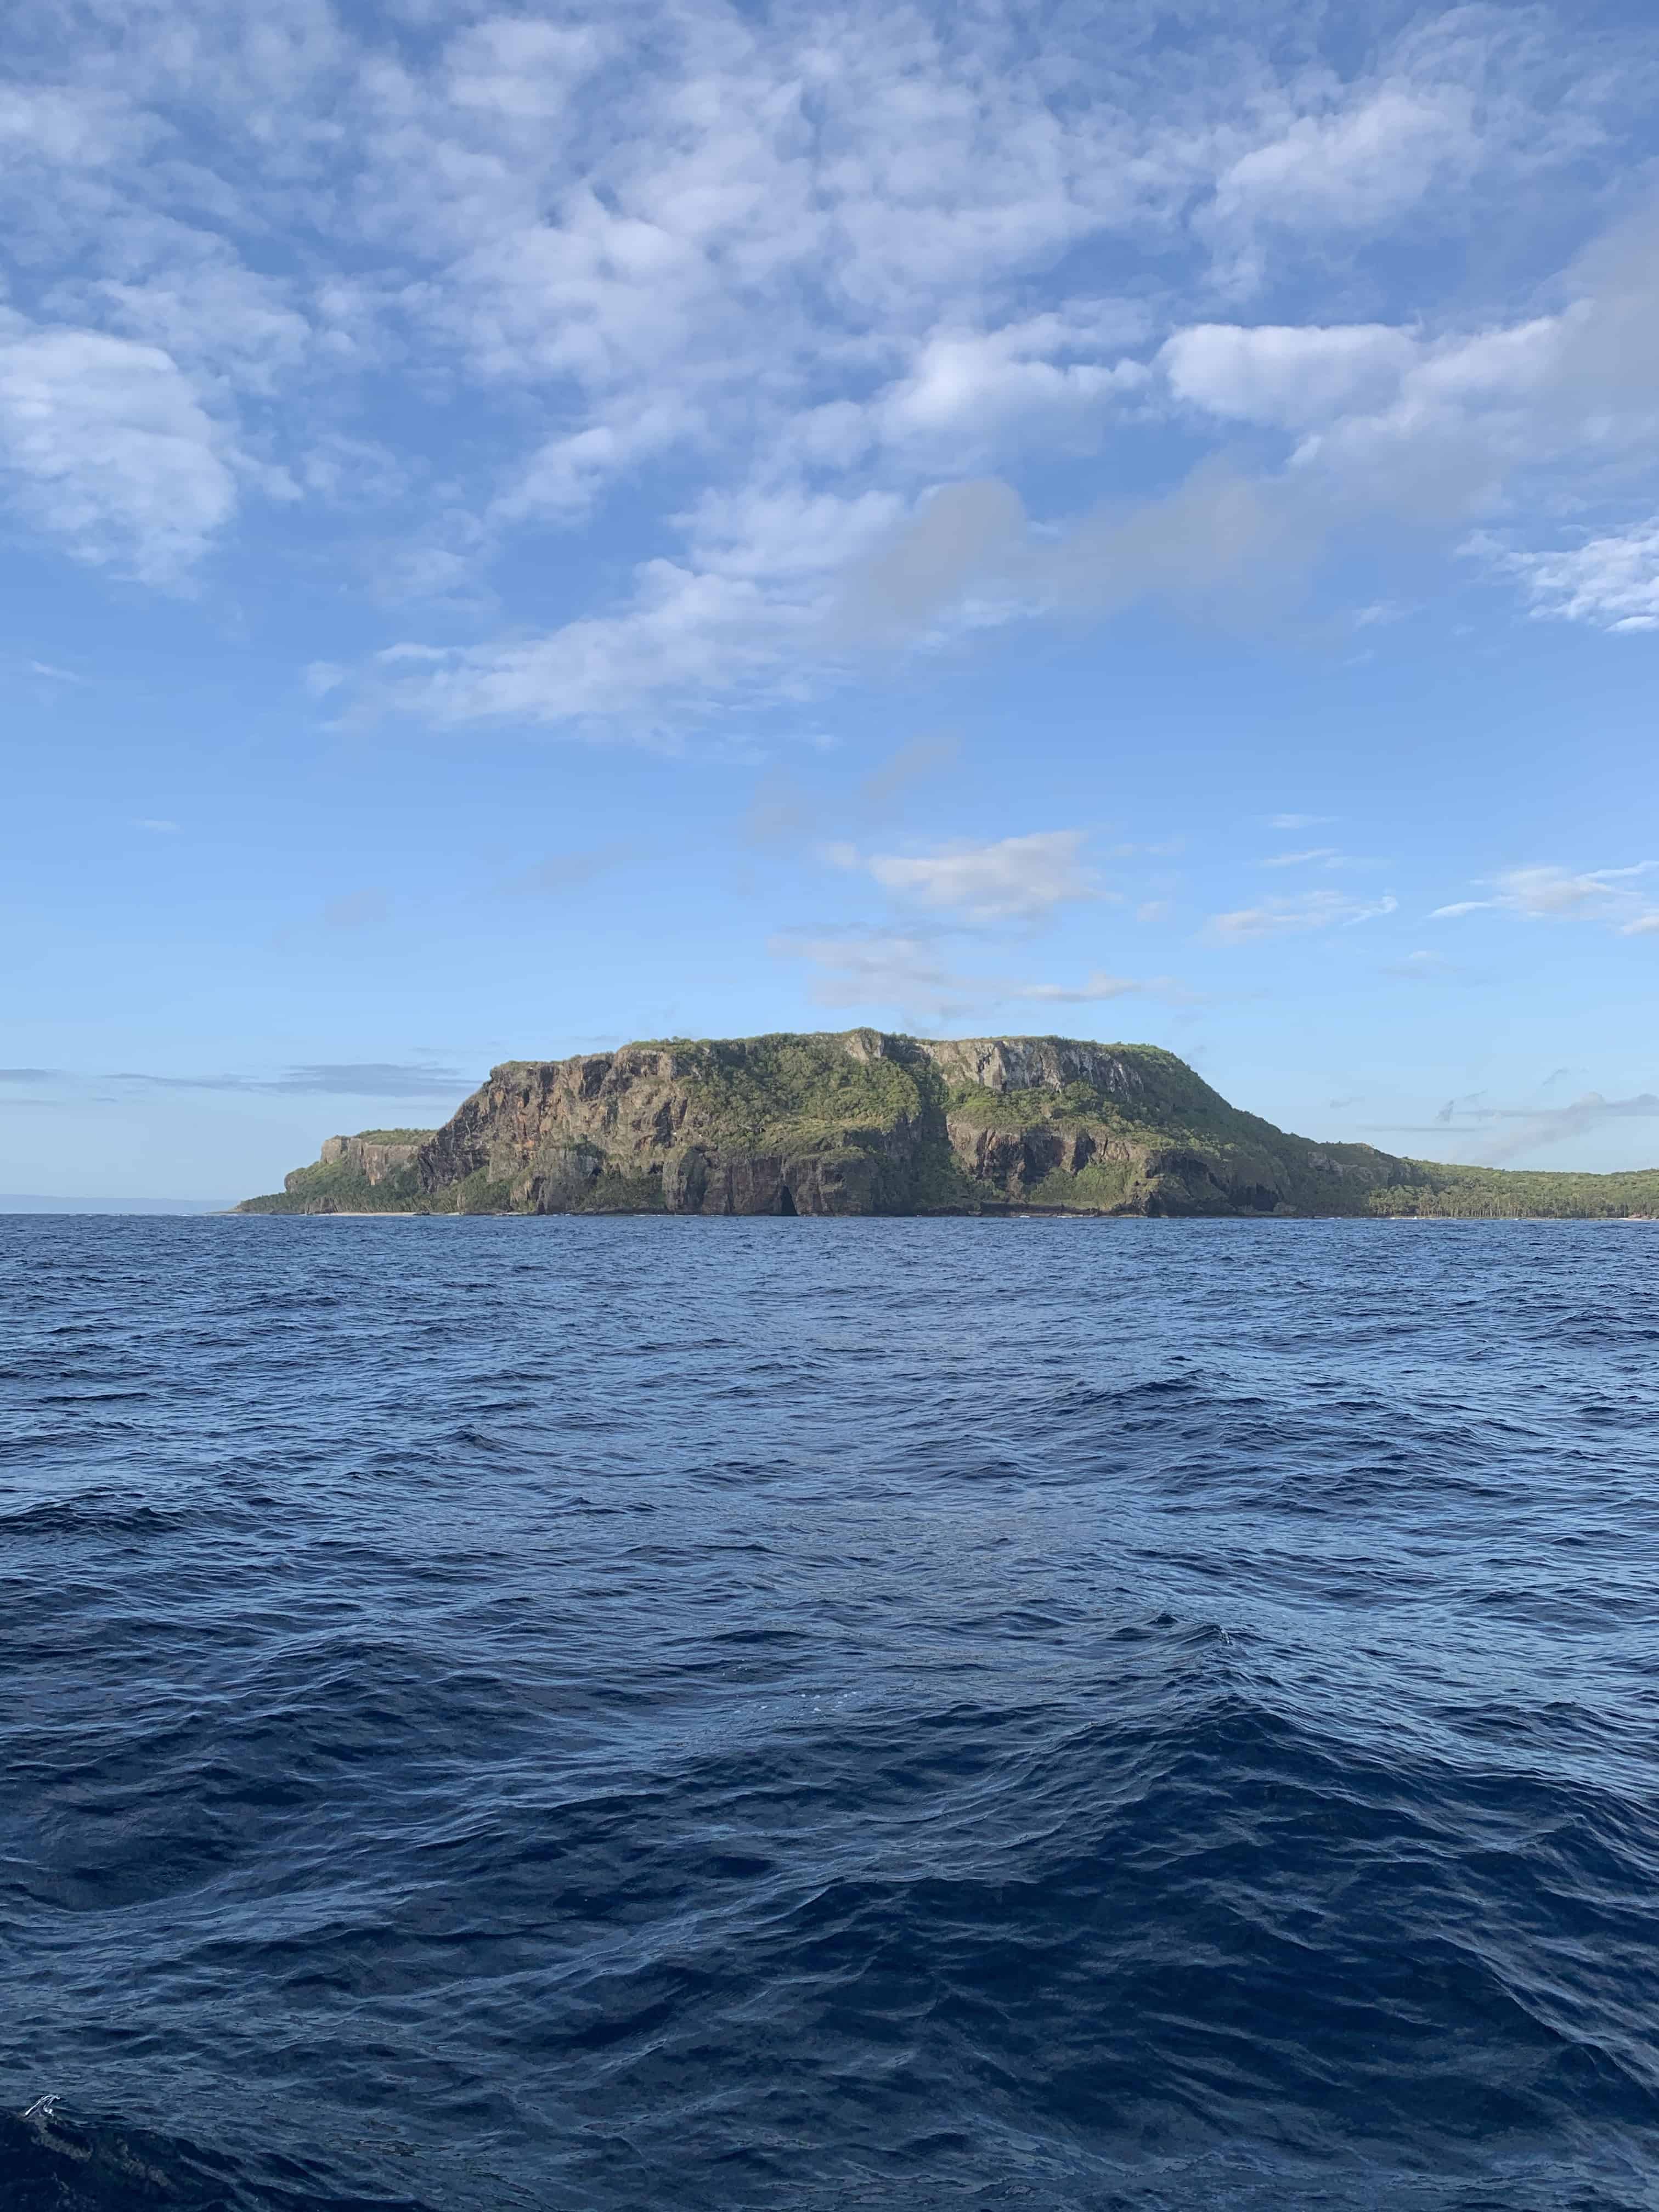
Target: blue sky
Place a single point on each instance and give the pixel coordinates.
(525, 530)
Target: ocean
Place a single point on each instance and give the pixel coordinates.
(602, 1713)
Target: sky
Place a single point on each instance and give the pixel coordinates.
(526, 529)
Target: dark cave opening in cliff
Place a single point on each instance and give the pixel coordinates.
(786, 1204)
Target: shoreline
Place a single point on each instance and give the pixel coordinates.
(987, 1214)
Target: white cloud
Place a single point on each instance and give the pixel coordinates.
(729, 257)
(685, 641)
(1016, 878)
(521, 71)
(1352, 168)
(1293, 917)
(108, 449)
(1611, 581)
(1291, 377)
(1544, 893)
(965, 387)
(1099, 987)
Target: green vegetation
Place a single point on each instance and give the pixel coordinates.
(614, 1192)
(394, 1136)
(340, 1186)
(787, 1093)
(1457, 1194)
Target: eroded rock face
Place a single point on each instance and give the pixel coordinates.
(374, 1162)
(1032, 1063)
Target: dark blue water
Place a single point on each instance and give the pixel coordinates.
(679, 1713)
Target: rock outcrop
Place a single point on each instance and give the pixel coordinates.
(858, 1122)
(373, 1157)
(864, 1121)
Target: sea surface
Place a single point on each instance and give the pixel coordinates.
(610, 1713)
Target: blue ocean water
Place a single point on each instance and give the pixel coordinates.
(611, 1713)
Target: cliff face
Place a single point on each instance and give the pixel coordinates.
(852, 1123)
(373, 1157)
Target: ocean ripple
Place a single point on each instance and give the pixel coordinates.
(632, 1713)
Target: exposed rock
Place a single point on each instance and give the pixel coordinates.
(374, 1158)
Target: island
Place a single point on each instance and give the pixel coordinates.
(863, 1121)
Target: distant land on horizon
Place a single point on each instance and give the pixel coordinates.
(869, 1121)
(12, 1201)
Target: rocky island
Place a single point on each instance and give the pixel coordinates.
(861, 1121)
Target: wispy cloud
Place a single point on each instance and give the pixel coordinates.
(877, 968)
(1295, 917)
(1610, 582)
(1550, 893)
(373, 1079)
(889, 970)
(1508, 1133)
(1098, 986)
(1014, 878)
(774, 294)
(111, 450)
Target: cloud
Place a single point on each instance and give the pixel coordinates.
(791, 298)
(1015, 879)
(960, 536)
(689, 638)
(1221, 543)
(30, 1074)
(376, 1078)
(1610, 582)
(1101, 987)
(1291, 917)
(875, 968)
(107, 448)
(1365, 161)
(1292, 377)
(966, 385)
(1298, 821)
(892, 970)
(158, 823)
(1557, 894)
(1533, 1128)
(1323, 855)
